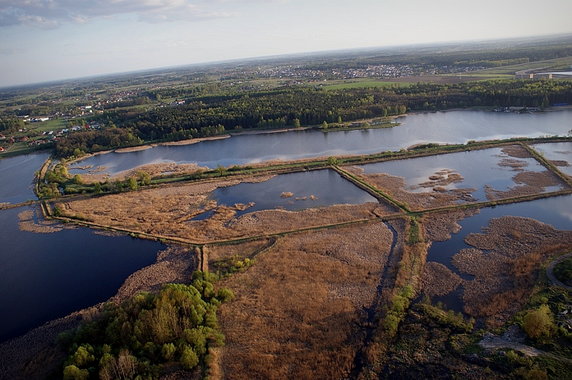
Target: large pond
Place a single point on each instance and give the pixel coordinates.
(44, 276)
(17, 176)
(556, 211)
(439, 127)
(294, 191)
(559, 153)
(477, 169)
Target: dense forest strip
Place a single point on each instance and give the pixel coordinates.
(205, 116)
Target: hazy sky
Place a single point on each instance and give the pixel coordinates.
(43, 40)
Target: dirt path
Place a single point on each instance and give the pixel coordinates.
(493, 343)
(550, 271)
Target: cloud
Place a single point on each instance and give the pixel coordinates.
(52, 13)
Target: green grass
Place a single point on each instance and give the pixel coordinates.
(563, 271)
(367, 83)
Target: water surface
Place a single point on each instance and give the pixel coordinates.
(309, 189)
(556, 211)
(478, 168)
(17, 176)
(561, 151)
(47, 276)
(438, 127)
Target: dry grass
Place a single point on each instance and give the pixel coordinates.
(440, 226)
(396, 188)
(297, 310)
(439, 280)
(505, 274)
(168, 211)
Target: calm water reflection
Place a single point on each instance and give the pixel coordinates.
(46, 276)
(555, 211)
(478, 168)
(17, 176)
(309, 189)
(439, 127)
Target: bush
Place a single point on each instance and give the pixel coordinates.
(538, 323)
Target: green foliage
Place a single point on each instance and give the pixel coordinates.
(133, 185)
(232, 265)
(71, 372)
(538, 323)
(136, 338)
(563, 271)
(446, 318)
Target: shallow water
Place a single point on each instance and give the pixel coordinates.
(558, 152)
(17, 176)
(438, 127)
(556, 211)
(47, 276)
(326, 186)
(478, 168)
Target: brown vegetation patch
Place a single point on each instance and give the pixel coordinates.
(167, 211)
(505, 262)
(560, 163)
(440, 226)
(439, 280)
(396, 188)
(30, 221)
(516, 151)
(154, 170)
(174, 265)
(296, 311)
(442, 177)
(529, 183)
(514, 164)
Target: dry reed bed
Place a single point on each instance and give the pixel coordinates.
(505, 261)
(526, 183)
(297, 311)
(439, 280)
(167, 211)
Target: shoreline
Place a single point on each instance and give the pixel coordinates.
(35, 354)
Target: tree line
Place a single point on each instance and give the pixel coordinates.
(211, 115)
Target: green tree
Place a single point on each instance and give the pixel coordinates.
(538, 323)
(71, 372)
(324, 125)
(168, 351)
(133, 185)
(189, 358)
(296, 123)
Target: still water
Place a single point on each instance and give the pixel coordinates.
(556, 211)
(309, 189)
(478, 168)
(44, 276)
(560, 152)
(439, 127)
(17, 176)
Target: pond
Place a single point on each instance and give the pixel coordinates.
(556, 211)
(293, 191)
(438, 127)
(560, 153)
(44, 276)
(495, 169)
(17, 177)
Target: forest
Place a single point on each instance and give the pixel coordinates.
(202, 116)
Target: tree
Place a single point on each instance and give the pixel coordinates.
(133, 185)
(538, 323)
(324, 125)
(189, 358)
(296, 123)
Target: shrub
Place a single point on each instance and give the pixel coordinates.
(538, 323)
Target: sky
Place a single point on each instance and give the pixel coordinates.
(44, 40)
